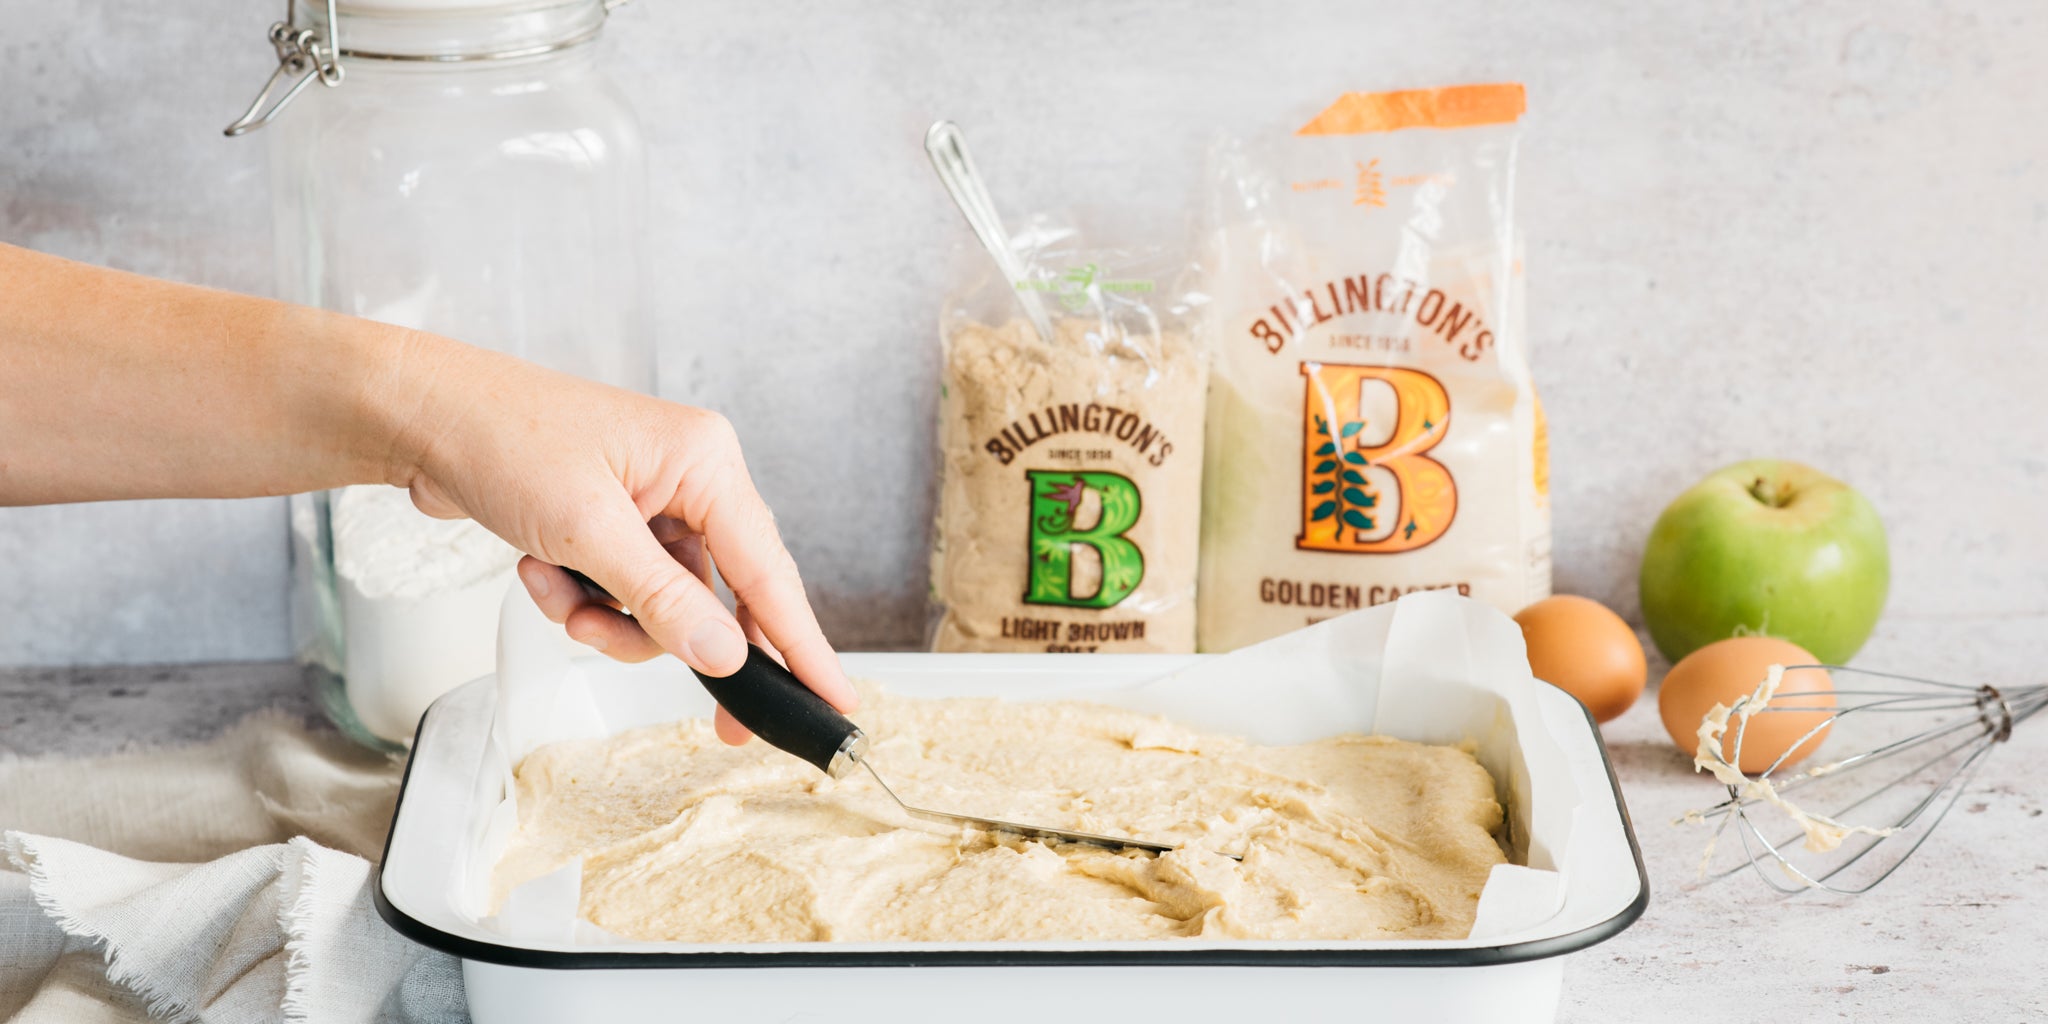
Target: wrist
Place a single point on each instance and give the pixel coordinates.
(392, 413)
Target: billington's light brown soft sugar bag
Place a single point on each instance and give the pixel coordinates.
(1071, 463)
(1372, 430)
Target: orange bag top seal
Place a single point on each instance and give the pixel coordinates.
(1457, 106)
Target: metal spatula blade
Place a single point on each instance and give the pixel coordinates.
(1011, 827)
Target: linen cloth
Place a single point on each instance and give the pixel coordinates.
(227, 882)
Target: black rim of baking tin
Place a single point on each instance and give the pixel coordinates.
(1475, 956)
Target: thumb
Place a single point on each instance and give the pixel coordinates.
(675, 607)
(429, 498)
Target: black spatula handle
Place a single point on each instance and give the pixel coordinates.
(779, 708)
(774, 703)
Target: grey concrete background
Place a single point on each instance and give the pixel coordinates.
(1813, 231)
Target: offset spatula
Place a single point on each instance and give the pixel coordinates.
(779, 708)
(767, 698)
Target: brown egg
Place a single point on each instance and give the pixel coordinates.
(1577, 645)
(1724, 672)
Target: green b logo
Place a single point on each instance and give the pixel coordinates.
(1056, 499)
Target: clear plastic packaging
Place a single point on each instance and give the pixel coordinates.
(1070, 479)
(1373, 430)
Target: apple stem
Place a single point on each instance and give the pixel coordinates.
(1776, 497)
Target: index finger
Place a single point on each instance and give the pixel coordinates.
(740, 533)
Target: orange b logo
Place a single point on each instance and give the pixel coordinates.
(1367, 486)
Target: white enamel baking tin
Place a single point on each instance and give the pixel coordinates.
(448, 796)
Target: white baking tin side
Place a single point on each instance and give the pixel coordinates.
(1520, 993)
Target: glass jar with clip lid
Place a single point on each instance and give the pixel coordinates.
(466, 168)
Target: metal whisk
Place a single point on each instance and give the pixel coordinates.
(1878, 818)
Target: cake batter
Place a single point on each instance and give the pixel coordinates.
(686, 839)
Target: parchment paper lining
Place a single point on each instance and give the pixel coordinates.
(1431, 668)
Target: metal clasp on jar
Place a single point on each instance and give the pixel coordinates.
(303, 54)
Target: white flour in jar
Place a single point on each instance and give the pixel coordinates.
(419, 604)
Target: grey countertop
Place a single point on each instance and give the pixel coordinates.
(1956, 934)
(78, 711)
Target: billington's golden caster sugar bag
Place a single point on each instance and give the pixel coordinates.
(1372, 429)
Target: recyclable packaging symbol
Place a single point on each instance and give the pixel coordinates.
(1081, 286)
(1060, 503)
(1368, 485)
(1370, 188)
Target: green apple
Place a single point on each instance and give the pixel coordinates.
(1771, 548)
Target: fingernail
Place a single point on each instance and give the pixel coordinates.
(536, 580)
(717, 645)
(594, 641)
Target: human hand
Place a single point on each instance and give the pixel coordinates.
(648, 498)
